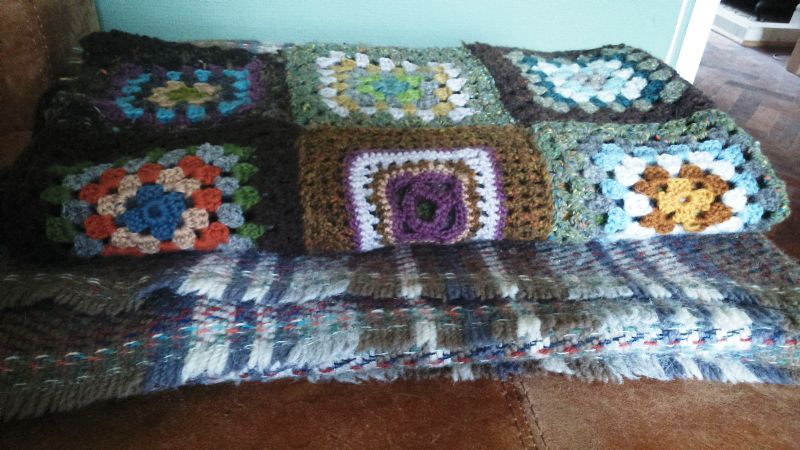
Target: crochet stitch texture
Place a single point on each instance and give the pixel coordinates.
(58, 183)
(700, 174)
(389, 221)
(388, 86)
(179, 97)
(184, 199)
(442, 189)
(388, 187)
(139, 83)
(615, 83)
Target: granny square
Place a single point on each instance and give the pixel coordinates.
(615, 83)
(364, 189)
(387, 86)
(137, 82)
(426, 195)
(190, 95)
(232, 187)
(696, 175)
(195, 198)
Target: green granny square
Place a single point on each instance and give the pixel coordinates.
(389, 86)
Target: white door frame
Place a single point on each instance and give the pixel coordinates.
(685, 52)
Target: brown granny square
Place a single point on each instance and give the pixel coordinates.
(363, 189)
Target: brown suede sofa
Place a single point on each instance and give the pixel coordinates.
(37, 38)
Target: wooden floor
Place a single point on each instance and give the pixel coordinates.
(755, 88)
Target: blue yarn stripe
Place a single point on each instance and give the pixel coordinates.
(170, 354)
(240, 342)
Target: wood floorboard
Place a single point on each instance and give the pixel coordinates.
(754, 87)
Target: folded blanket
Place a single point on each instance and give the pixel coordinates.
(705, 307)
(337, 212)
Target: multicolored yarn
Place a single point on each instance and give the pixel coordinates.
(714, 308)
(436, 189)
(264, 185)
(387, 187)
(700, 174)
(384, 303)
(184, 199)
(140, 83)
(362, 189)
(615, 83)
(386, 86)
(175, 97)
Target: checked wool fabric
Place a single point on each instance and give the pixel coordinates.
(667, 308)
(191, 214)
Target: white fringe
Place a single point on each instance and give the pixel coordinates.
(505, 286)
(733, 324)
(462, 372)
(316, 278)
(210, 350)
(210, 277)
(425, 335)
(556, 365)
(261, 279)
(263, 342)
(410, 286)
(735, 372)
(325, 348)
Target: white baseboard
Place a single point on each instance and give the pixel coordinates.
(751, 33)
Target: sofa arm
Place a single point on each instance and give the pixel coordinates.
(36, 41)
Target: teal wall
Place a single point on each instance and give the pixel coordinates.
(539, 24)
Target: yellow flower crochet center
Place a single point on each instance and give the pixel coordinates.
(684, 202)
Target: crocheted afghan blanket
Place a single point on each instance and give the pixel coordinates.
(161, 147)
(197, 214)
